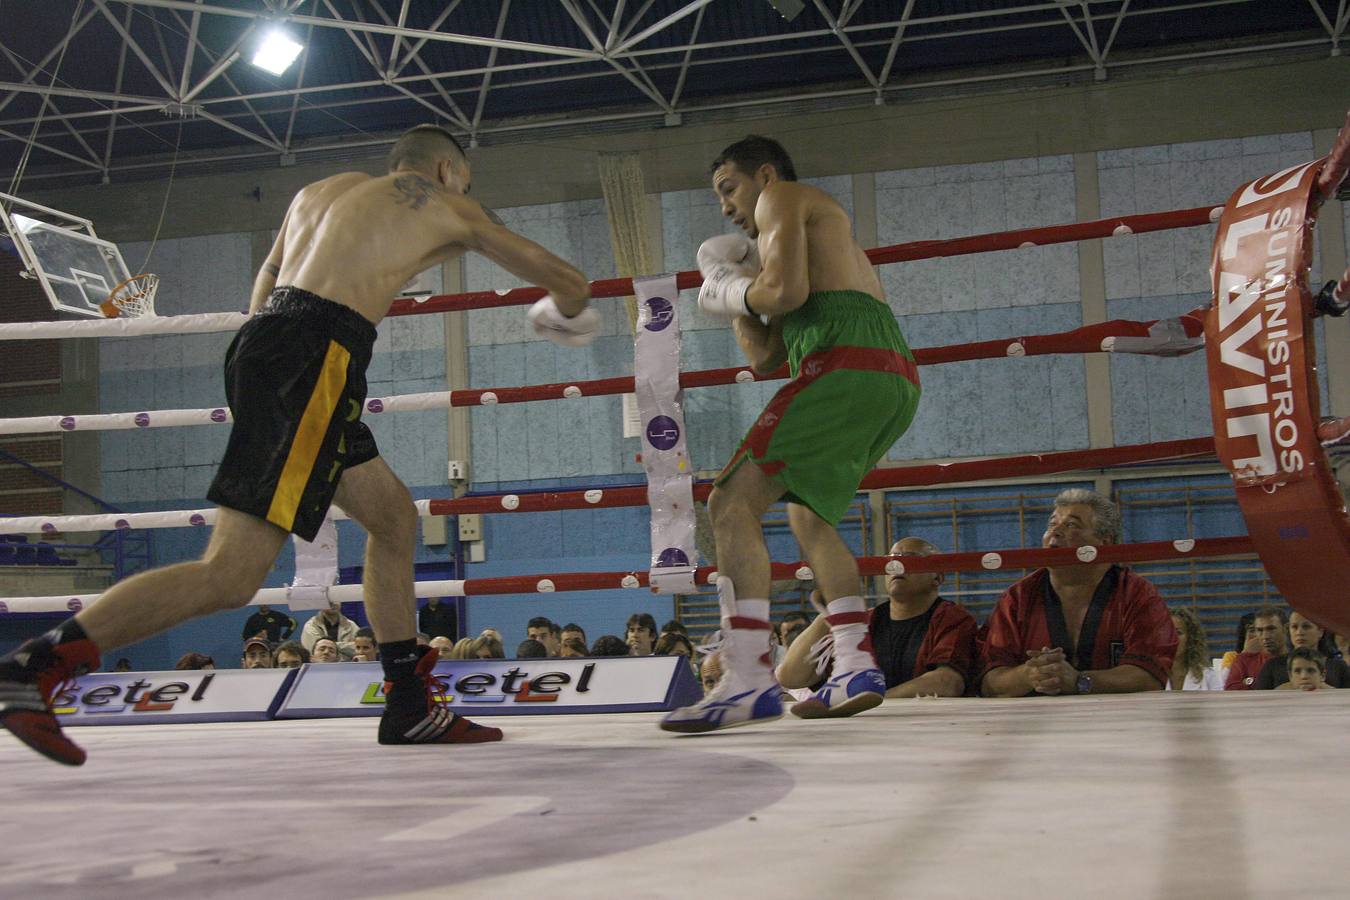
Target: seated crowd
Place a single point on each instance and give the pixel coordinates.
(1098, 628)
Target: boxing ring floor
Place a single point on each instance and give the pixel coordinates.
(1161, 795)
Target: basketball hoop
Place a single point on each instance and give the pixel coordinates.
(133, 298)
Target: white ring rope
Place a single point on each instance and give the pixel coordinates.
(179, 518)
(218, 415)
(200, 323)
(342, 593)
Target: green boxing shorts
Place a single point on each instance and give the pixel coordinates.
(853, 393)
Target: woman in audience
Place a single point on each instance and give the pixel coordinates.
(487, 646)
(1190, 667)
(461, 648)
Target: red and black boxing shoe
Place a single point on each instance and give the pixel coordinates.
(31, 680)
(415, 712)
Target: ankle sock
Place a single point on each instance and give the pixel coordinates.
(852, 644)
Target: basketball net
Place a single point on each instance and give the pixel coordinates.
(133, 298)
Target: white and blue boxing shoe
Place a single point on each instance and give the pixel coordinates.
(844, 694)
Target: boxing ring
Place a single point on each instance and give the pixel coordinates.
(1154, 795)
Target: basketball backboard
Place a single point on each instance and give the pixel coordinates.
(76, 268)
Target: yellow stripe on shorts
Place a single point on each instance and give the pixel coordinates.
(309, 436)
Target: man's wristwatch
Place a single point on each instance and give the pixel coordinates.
(1084, 683)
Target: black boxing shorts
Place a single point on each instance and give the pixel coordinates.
(295, 381)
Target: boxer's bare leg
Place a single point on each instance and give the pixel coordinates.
(735, 508)
(237, 559)
(375, 497)
(833, 563)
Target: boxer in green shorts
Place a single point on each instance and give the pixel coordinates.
(797, 289)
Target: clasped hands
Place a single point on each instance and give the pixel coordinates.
(1049, 672)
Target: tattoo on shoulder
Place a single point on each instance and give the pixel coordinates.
(414, 190)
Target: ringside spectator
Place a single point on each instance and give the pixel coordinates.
(609, 645)
(487, 646)
(1246, 641)
(1079, 629)
(543, 630)
(191, 661)
(290, 655)
(364, 647)
(711, 671)
(640, 634)
(1304, 634)
(573, 630)
(324, 651)
(332, 624)
(270, 624)
(572, 648)
(674, 625)
(923, 643)
(1307, 671)
(1268, 631)
(445, 647)
(531, 649)
(257, 654)
(437, 619)
(672, 643)
(1190, 667)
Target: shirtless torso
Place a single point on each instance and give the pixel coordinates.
(356, 239)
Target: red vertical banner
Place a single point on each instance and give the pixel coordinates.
(1264, 396)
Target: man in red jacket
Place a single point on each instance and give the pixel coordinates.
(1079, 629)
(924, 645)
(1268, 627)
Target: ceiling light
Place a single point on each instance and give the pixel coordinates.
(276, 52)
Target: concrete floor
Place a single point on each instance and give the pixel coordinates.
(1162, 795)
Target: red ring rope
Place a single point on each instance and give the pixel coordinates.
(1028, 558)
(889, 477)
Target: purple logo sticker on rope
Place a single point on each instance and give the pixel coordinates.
(142, 420)
(74, 604)
(662, 314)
(672, 556)
(4, 608)
(662, 432)
(67, 423)
(375, 405)
(196, 519)
(217, 415)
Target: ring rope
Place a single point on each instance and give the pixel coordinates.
(1019, 558)
(623, 287)
(1096, 338)
(636, 495)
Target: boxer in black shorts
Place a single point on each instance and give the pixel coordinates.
(296, 383)
(295, 380)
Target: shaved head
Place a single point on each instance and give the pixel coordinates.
(423, 147)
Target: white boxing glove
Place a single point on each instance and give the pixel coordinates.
(729, 264)
(736, 249)
(569, 331)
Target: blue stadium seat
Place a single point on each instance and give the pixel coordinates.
(7, 555)
(14, 538)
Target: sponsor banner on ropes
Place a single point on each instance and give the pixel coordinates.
(147, 698)
(505, 687)
(1259, 343)
(665, 455)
